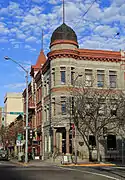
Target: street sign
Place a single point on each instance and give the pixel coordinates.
(19, 143)
(16, 113)
(19, 137)
(27, 127)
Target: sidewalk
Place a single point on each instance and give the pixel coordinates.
(90, 164)
(34, 163)
(41, 163)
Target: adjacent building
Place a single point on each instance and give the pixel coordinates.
(13, 102)
(0, 117)
(35, 104)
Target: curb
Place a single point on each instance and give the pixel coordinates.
(32, 165)
(89, 165)
(19, 163)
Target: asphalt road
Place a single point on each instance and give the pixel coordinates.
(10, 171)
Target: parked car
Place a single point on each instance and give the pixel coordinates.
(4, 155)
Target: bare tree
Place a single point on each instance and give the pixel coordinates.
(93, 110)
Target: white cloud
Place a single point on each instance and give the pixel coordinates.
(3, 11)
(28, 24)
(53, 1)
(31, 39)
(106, 30)
(30, 19)
(37, 1)
(27, 46)
(14, 30)
(3, 29)
(16, 85)
(117, 2)
(16, 46)
(3, 40)
(21, 36)
(36, 10)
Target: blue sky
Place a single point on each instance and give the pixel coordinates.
(22, 22)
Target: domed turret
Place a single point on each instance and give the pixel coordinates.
(64, 34)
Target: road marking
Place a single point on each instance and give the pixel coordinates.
(97, 174)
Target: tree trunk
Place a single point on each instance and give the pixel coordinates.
(98, 149)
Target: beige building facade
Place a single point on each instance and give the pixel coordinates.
(13, 102)
(98, 69)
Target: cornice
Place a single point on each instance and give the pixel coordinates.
(63, 53)
(91, 55)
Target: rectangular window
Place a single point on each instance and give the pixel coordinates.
(72, 75)
(53, 76)
(63, 105)
(112, 79)
(47, 85)
(92, 141)
(88, 77)
(37, 96)
(53, 107)
(47, 114)
(111, 142)
(63, 75)
(45, 89)
(100, 78)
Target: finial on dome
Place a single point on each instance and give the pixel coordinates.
(63, 11)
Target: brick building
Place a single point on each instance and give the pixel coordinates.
(35, 105)
(51, 80)
(65, 61)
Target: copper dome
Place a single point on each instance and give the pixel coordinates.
(64, 32)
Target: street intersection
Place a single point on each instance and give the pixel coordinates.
(11, 171)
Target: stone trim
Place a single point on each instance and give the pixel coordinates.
(63, 42)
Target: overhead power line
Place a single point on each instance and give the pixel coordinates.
(85, 13)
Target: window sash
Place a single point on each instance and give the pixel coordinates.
(88, 83)
(63, 107)
(72, 77)
(88, 78)
(63, 77)
(100, 80)
(112, 80)
(53, 78)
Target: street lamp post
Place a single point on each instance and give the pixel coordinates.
(79, 75)
(26, 128)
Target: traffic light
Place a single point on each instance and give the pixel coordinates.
(30, 134)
